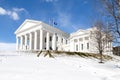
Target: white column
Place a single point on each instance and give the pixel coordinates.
(26, 42)
(17, 43)
(35, 40)
(54, 42)
(30, 41)
(21, 43)
(48, 41)
(41, 39)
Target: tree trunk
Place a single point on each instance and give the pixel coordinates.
(101, 57)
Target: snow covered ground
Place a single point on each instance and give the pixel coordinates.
(27, 66)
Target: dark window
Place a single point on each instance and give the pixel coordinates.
(45, 39)
(50, 48)
(87, 45)
(62, 40)
(76, 47)
(50, 38)
(57, 38)
(81, 46)
(66, 41)
(80, 39)
(86, 38)
(75, 40)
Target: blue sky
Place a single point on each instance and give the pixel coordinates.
(70, 15)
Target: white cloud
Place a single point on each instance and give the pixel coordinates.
(12, 13)
(2, 11)
(18, 9)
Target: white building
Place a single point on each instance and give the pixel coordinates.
(37, 35)
(83, 41)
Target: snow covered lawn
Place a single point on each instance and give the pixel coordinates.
(27, 66)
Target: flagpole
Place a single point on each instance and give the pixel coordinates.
(53, 22)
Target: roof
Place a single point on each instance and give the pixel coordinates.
(27, 24)
(32, 24)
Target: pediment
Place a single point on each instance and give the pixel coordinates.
(79, 32)
(26, 25)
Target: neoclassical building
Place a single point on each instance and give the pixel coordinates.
(35, 35)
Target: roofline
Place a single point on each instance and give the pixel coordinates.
(26, 20)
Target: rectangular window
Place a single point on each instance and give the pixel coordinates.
(87, 45)
(80, 39)
(81, 46)
(57, 38)
(62, 40)
(86, 38)
(66, 41)
(75, 40)
(76, 47)
(45, 39)
(50, 38)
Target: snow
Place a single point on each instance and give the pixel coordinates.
(7, 46)
(27, 66)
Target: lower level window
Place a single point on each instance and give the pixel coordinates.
(87, 45)
(81, 46)
(76, 47)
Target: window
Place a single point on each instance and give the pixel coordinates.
(50, 38)
(87, 45)
(66, 41)
(62, 40)
(80, 39)
(75, 40)
(81, 46)
(57, 38)
(86, 38)
(76, 47)
(45, 39)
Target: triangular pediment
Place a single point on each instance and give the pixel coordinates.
(26, 25)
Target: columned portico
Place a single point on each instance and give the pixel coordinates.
(37, 35)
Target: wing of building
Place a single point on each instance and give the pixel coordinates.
(35, 35)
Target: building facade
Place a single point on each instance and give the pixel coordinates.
(83, 41)
(37, 35)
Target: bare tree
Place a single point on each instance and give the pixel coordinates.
(101, 36)
(112, 9)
